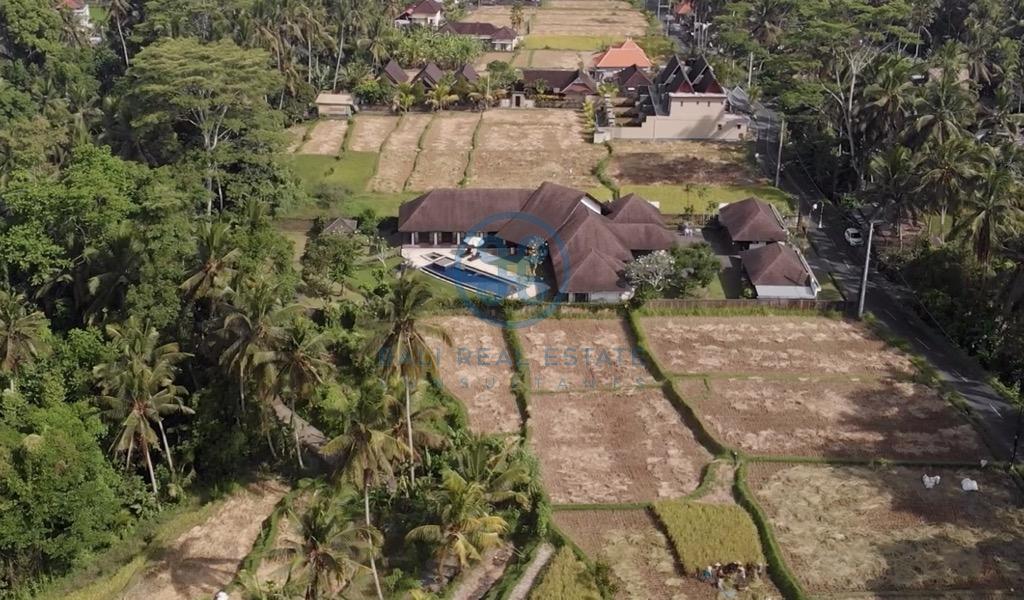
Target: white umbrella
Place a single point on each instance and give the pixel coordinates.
(474, 240)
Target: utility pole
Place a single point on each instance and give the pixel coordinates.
(864, 276)
(750, 72)
(778, 157)
(1016, 435)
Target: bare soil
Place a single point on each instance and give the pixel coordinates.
(640, 556)
(519, 148)
(597, 23)
(851, 529)
(853, 418)
(500, 16)
(772, 345)
(477, 369)
(371, 131)
(446, 146)
(612, 447)
(590, 5)
(398, 154)
(678, 162)
(574, 354)
(325, 138)
(558, 59)
(205, 558)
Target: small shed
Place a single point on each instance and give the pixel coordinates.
(778, 270)
(336, 106)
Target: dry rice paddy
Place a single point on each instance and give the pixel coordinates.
(371, 131)
(639, 555)
(524, 148)
(677, 162)
(325, 138)
(574, 354)
(499, 16)
(446, 146)
(852, 418)
(398, 154)
(627, 445)
(846, 530)
(477, 369)
(553, 59)
(771, 346)
(586, 21)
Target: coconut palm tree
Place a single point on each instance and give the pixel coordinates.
(498, 466)
(889, 97)
(465, 525)
(441, 96)
(944, 110)
(367, 452)
(24, 334)
(329, 550)
(995, 204)
(216, 260)
(894, 184)
(138, 390)
(948, 168)
(119, 12)
(403, 97)
(402, 349)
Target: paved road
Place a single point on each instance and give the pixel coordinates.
(892, 304)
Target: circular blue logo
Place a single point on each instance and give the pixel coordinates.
(488, 270)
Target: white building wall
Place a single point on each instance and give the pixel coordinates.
(691, 117)
(786, 291)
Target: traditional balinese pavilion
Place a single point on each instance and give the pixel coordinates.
(752, 223)
(588, 242)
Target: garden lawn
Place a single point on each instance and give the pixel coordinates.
(569, 42)
(705, 534)
(680, 199)
(349, 174)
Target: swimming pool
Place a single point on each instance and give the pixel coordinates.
(465, 276)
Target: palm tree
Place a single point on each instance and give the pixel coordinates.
(465, 525)
(138, 390)
(483, 94)
(403, 97)
(402, 349)
(441, 96)
(894, 185)
(329, 550)
(495, 465)
(516, 15)
(1002, 120)
(24, 334)
(948, 168)
(367, 452)
(945, 109)
(215, 266)
(995, 204)
(120, 12)
(890, 97)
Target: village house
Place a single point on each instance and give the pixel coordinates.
(752, 223)
(336, 106)
(618, 57)
(630, 80)
(587, 243)
(778, 270)
(427, 13)
(564, 84)
(500, 39)
(393, 73)
(684, 102)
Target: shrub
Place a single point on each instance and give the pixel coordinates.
(704, 534)
(566, 578)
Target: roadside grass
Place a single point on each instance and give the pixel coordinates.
(349, 174)
(569, 42)
(705, 534)
(696, 199)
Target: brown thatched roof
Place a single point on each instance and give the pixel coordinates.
(633, 209)
(775, 264)
(395, 73)
(460, 209)
(752, 220)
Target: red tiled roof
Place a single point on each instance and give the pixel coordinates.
(423, 7)
(623, 55)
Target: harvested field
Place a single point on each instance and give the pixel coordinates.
(851, 529)
(612, 447)
(639, 555)
(852, 418)
(677, 162)
(574, 354)
(477, 369)
(488, 57)
(325, 138)
(771, 345)
(524, 148)
(589, 5)
(206, 557)
(598, 23)
(558, 59)
(371, 131)
(446, 145)
(500, 16)
(398, 154)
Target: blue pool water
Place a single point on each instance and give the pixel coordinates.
(478, 281)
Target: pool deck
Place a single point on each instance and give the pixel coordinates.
(420, 257)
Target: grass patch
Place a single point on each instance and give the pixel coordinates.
(704, 534)
(567, 577)
(348, 175)
(569, 42)
(681, 199)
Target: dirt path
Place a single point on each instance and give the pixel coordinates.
(205, 558)
(525, 583)
(484, 574)
(720, 491)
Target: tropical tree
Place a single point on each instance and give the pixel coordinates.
(498, 465)
(441, 96)
(24, 335)
(484, 93)
(894, 185)
(138, 390)
(367, 451)
(995, 204)
(402, 349)
(944, 109)
(403, 97)
(517, 15)
(465, 524)
(216, 260)
(889, 97)
(948, 169)
(329, 550)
